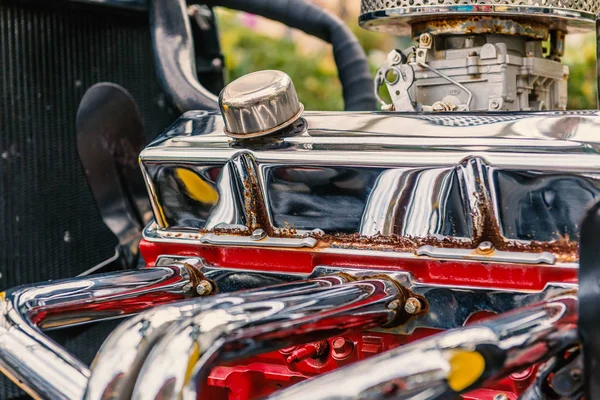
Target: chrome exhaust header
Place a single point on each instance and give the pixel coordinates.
(120, 358)
(256, 327)
(453, 362)
(44, 369)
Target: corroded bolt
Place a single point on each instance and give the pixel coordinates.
(342, 348)
(425, 39)
(204, 288)
(258, 234)
(412, 306)
(501, 396)
(485, 247)
(394, 305)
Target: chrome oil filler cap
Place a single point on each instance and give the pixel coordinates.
(259, 104)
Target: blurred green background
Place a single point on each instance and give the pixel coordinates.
(251, 44)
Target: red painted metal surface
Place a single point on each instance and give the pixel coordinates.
(257, 377)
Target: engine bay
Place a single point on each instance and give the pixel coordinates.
(442, 247)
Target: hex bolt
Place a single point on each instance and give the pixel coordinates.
(425, 39)
(204, 288)
(412, 306)
(485, 247)
(394, 305)
(501, 396)
(258, 234)
(342, 348)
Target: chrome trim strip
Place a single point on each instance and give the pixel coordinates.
(495, 256)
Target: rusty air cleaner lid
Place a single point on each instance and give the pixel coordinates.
(397, 16)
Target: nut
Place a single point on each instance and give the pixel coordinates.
(258, 234)
(485, 247)
(412, 306)
(342, 348)
(204, 288)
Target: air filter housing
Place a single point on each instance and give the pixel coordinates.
(397, 16)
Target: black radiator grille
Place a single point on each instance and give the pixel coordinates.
(49, 55)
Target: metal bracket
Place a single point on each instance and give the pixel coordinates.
(267, 241)
(254, 240)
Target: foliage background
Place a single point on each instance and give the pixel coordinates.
(310, 63)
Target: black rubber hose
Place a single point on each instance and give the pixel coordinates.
(174, 56)
(350, 58)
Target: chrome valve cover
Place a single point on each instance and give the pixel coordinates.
(381, 182)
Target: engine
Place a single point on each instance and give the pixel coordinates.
(441, 248)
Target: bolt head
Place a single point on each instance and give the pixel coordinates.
(204, 288)
(342, 348)
(425, 39)
(258, 234)
(412, 306)
(485, 247)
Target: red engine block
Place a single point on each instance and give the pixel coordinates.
(259, 376)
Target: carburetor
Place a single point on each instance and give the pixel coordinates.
(504, 55)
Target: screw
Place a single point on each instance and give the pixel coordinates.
(394, 305)
(485, 247)
(258, 234)
(501, 396)
(396, 59)
(342, 348)
(425, 39)
(204, 288)
(412, 306)
(495, 105)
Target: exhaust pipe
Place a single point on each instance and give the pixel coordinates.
(180, 361)
(453, 362)
(118, 361)
(44, 369)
